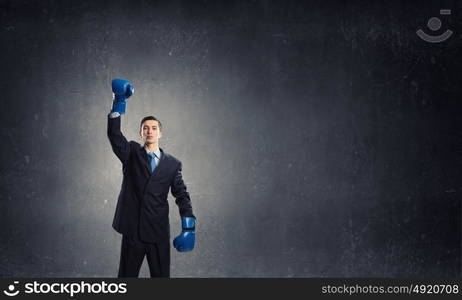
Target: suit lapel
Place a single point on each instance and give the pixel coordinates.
(143, 156)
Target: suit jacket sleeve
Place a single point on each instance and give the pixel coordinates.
(119, 143)
(179, 191)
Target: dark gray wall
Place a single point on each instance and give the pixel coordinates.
(318, 138)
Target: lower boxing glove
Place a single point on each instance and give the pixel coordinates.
(186, 239)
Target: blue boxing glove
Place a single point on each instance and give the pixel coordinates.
(185, 241)
(122, 90)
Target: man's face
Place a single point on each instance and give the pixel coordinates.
(150, 132)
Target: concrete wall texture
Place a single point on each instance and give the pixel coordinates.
(318, 138)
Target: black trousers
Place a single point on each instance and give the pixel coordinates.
(132, 256)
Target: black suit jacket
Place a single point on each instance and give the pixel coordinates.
(142, 204)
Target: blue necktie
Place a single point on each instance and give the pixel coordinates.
(152, 160)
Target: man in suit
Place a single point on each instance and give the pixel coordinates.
(142, 208)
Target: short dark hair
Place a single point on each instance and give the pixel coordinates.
(151, 118)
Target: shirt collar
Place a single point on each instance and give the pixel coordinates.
(157, 152)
